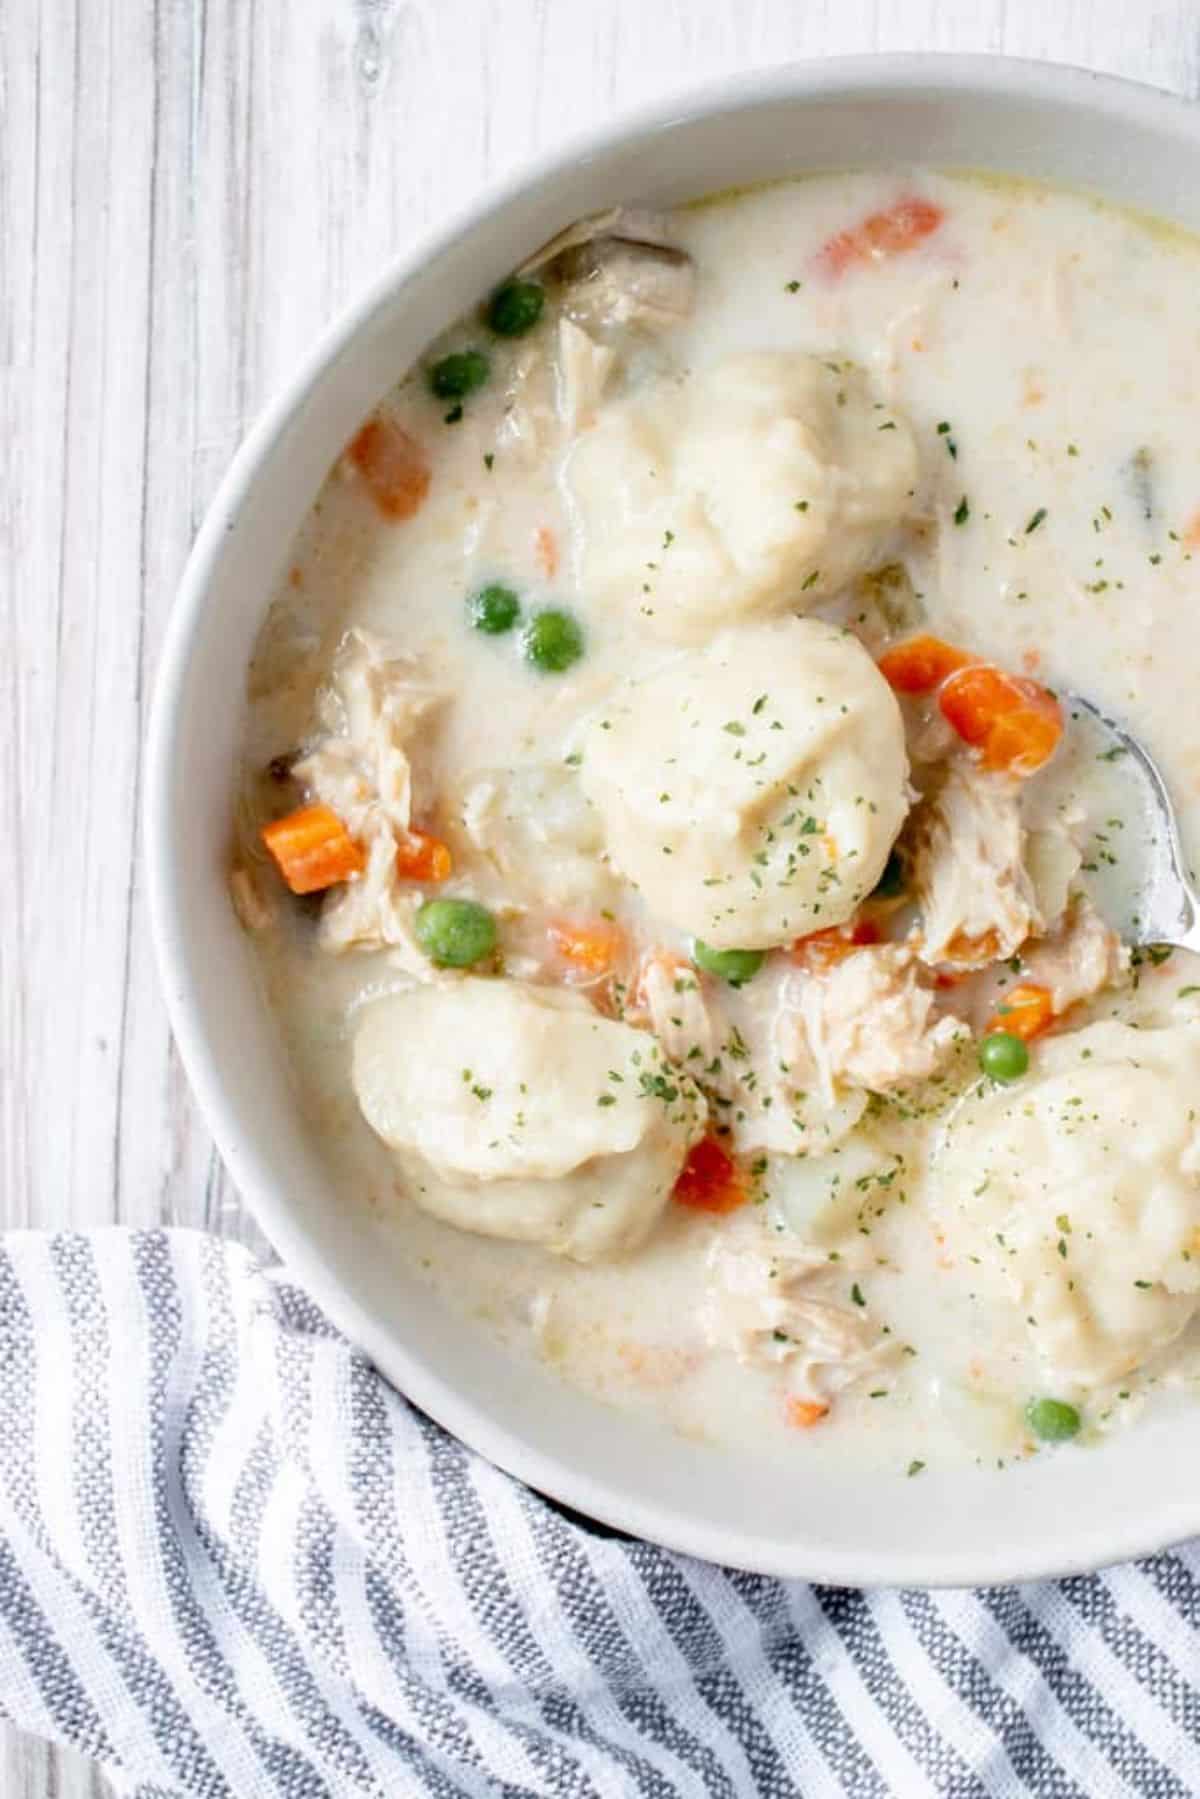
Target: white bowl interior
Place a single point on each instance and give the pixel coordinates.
(1064, 1512)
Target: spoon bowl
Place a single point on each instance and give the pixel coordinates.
(1168, 905)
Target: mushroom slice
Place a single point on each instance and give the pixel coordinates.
(619, 267)
(625, 224)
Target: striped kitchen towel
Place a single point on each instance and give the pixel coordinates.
(235, 1564)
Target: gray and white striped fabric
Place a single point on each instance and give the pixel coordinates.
(234, 1562)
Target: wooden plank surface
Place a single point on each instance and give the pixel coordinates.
(188, 191)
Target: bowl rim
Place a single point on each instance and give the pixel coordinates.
(865, 76)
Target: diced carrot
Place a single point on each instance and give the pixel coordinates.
(825, 949)
(921, 664)
(593, 948)
(1025, 1011)
(902, 226)
(545, 546)
(1191, 531)
(393, 465)
(1016, 723)
(313, 849)
(710, 1180)
(802, 1414)
(423, 857)
(881, 234)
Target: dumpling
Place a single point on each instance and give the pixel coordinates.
(762, 482)
(1076, 1196)
(519, 1112)
(753, 789)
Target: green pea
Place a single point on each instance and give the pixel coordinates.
(552, 640)
(494, 609)
(459, 374)
(732, 965)
(1053, 1420)
(515, 308)
(455, 933)
(891, 883)
(1003, 1056)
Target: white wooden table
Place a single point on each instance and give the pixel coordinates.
(188, 191)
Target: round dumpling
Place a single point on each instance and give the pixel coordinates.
(519, 1112)
(1075, 1195)
(753, 789)
(762, 482)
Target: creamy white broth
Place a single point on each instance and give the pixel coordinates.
(1054, 338)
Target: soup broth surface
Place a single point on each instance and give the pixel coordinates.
(983, 394)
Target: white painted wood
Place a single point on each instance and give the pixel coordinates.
(188, 191)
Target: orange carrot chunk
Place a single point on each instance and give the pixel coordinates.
(313, 849)
(1014, 722)
(882, 234)
(921, 664)
(594, 948)
(804, 1413)
(1025, 1011)
(393, 465)
(825, 949)
(423, 857)
(710, 1180)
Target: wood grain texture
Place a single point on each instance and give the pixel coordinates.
(188, 191)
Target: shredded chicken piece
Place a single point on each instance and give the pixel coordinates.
(364, 770)
(755, 1304)
(1054, 857)
(630, 284)
(866, 1022)
(254, 912)
(763, 1081)
(792, 1119)
(375, 912)
(1083, 956)
(967, 850)
(687, 1021)
(337, 774)
(583, 370)
(528, 426)
(371, 709)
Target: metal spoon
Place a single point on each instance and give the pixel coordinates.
(1168, 909)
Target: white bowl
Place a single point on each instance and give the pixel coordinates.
(1062, 1513)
